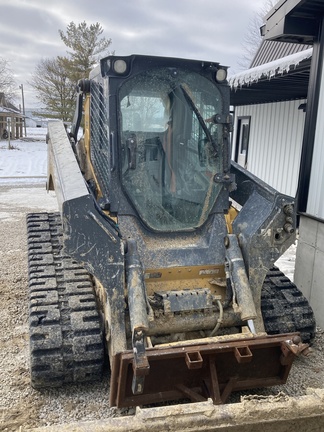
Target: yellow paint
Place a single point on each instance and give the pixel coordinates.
(179, 278)
(229, 218)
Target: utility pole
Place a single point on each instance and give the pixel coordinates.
(23, 105)
(9, 132)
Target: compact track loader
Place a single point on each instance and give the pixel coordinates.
(162, 251)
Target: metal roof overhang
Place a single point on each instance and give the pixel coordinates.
(280, 87)
(294, 21)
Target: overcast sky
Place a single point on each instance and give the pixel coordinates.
(197, 29)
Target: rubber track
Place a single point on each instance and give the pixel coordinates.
(284, 308)
(66, 343)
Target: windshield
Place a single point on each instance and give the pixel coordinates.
(170, 147)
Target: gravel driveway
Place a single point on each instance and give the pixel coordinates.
(22, 407)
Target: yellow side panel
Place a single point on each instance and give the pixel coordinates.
(180, 278)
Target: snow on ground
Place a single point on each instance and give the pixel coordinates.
(26, 159)
(286, 262)
(23, 171)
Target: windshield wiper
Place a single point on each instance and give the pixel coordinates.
(200, 119)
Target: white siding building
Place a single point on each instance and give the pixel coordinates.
(279, 130)
(274, 144)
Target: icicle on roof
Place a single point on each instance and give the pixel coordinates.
(269, 70)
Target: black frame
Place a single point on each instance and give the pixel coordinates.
(238, 136)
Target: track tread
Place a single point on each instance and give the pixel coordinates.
(66, 343)
(284, 308)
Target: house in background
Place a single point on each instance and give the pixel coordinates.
(11, 119)
(279, 131)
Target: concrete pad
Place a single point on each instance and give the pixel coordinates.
(320, 237)
(317, 292)
(308, 230)
(303, 276)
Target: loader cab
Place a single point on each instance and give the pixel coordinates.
(171, 122)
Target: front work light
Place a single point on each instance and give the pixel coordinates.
(221, 75)
(120, 66)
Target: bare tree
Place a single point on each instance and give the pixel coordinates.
(252, 38)
(54, 89)
(7, 82)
